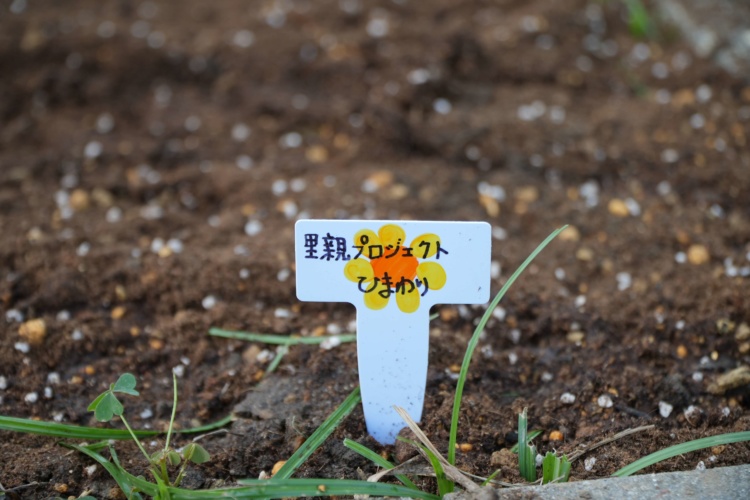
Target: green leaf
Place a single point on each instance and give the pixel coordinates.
(377, 460)
(173, 458)
(278, 339)
(321, 433)
(474, 341)
(555, 469)
(196, 453)
(532, 435)
(679, 449)
(526, 453)
(96, 402)
(107, 407)
(126, 384)
(445, 485)
(68, 431)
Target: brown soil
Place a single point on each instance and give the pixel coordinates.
(119, 125)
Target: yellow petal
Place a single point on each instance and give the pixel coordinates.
(425, 246)
(433, 274)
(391, 234)
(408, 302)
(370, 238)
(358, 268)
(374, 300)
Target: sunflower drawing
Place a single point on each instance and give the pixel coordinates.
(384, 266)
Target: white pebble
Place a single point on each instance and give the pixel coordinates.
(330, 343)
(192, 123)
(680, 324)
(157, 244)
(499, 313)
(589, 463)
(680, 257)
(418, 76)
(442, 106)
(175, 245)
(208, 302)
(105, 123)
(567, 398)
(23, 347)
(539, 459)
(726, 411)
(243, 38)
(240, 132)
(113, 215)
(265, 356)
(495, 269)
(280, 312)
(253, 227)
(633, 207)
(90, 470)
(3, 383)
(487, 351)
(700, 466)
(377, 27)
(244, 273)
(501, 234)
(698, 377)
(560, 274)
(283, 275)
(512, 358)
(279, 187)
(53, 378)
(291, 140)
(665, 409)
(77, 335)
(547, 377)
(83, 249)
(298, 185)
(146, 413)
(244, 162)
(58, 416)
(241, 250)
(605, 401)
(703, 93)
(31, 397)
(669, 155)
(515, 335)
(48, 393)
(624, 280)
(13, 316)
(492, 191)
(580, 301)
(93, 149)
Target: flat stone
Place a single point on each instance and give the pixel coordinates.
(719, 483)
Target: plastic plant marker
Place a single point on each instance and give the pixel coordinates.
(392, 272)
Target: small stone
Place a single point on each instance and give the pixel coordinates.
(208, 302)
(464, 447)
(60, 487)
(575, 337)
(31, 397)
(567, 398)
(743, 332)
(118, 312)
(665, 409)
(504, 459)
(316, 154)
(698, 254)
(604, 401)
(724, 326)
(79, 200)
(618, 208)
(682, 351)
(585, 254)
(570, 233)
(734, 379)
(34, 331)
(3, 383)
(277, 467)
(555, 436)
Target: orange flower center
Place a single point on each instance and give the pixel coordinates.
(399, 266)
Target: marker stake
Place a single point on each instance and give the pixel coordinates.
(392, 272)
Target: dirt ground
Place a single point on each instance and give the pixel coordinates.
(155, 155)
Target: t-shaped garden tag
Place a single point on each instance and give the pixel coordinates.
(392, 272)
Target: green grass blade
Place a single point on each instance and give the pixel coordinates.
(281, 351)
(555, 469)
(679, 449)
(492, 476)
(295, 488)
(445, 485)
(267, 338)
(68, 431)
(530, 436)
(321, 433)
(475, 340)
(208, 427)
(377, 460)
(128, 483)
(526, 453)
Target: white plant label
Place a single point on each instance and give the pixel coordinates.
(392, 272)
